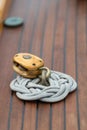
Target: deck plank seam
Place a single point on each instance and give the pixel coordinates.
(64, 54)
(41, 51)
(30, 50)
(34, 25)
(76, 64)
(52, 55)
(14, 75)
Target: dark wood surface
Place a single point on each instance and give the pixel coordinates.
(55, 30)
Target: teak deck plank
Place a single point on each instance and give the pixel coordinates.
(55, 30)
(82, 63)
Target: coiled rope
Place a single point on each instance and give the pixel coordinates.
(55, 87)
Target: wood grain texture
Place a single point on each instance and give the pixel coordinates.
(71, 114)
(4, 9)
(55, 30)
(82, 62)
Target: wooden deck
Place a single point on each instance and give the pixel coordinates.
(55, 30)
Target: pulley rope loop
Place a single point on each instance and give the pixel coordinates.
(45, 74)
(47, 71)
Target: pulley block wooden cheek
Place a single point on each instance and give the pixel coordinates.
(27, 65)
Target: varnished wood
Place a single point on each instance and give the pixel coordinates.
(4, 7)
(54, 30)
(27, 65)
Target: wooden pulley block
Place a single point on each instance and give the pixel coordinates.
(27, 65)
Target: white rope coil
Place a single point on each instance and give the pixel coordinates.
(31, 89)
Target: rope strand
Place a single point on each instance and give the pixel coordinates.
(53, 89)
